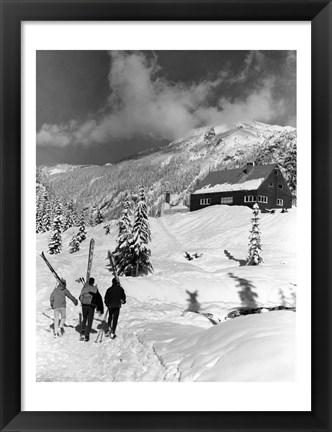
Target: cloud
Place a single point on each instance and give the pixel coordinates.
(258, 105)
(143, 103)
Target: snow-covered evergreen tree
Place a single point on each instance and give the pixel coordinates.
(92, 216)
(290, 169)
(99, 217)
(70, 215)
(123, 255)
(254, 253)
(55, 242)
(81, 236)
(58, 208)
(141, 237)
(47, 211)
(40, 209)
(74, 244)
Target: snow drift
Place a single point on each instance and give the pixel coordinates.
(166, 330)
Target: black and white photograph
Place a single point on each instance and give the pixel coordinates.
(166, 216)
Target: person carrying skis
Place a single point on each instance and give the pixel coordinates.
(114, 298)
(90, 299)
(58, 304)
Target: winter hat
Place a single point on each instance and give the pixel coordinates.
(63, 282)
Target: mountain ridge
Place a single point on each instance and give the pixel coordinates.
(176, 167)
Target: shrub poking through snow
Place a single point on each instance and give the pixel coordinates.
(107, 229)
(255, 248)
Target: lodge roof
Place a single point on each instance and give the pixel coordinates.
(235, 179)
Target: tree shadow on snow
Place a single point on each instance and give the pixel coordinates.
(195, 307)
(193, 304)
(246, 293)
(231, 257)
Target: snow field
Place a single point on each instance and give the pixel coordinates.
(158, 337)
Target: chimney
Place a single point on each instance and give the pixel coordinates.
(249, 167)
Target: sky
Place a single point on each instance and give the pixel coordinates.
(97, 107)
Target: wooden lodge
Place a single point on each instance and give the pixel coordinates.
(261, 184)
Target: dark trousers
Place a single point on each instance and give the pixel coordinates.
(113, 318)
(87, 313)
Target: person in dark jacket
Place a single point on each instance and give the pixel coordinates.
(58, 304)
(114, 298)
(90, 299)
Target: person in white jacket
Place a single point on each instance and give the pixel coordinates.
(58, 304)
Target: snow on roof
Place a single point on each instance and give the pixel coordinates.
(226, 187)
(234, 179)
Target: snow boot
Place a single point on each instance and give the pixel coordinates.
(62, 330)
(87, 338)
(112, 336)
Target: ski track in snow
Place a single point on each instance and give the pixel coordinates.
(124, 358)
(158, 337)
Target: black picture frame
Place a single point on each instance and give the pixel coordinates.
(13, 12)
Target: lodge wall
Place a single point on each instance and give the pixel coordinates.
(274, 188)
(238, 198)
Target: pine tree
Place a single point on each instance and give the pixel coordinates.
(141, 237)
(254, 253)
(290, 168)
(99, 217)
(81, 236)
(55, 243)
(40, 209)
(75, 214)
(47, 210)
(123, 255)
(57, 207)
(92, 216)
(70, 215)
(74, 245)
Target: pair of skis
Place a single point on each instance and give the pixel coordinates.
(89, 266)
(55, 274)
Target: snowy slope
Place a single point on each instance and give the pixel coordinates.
(160, 334)
(176, 167)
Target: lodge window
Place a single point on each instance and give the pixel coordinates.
(262, 199)
(280, 186)
(271, 185)
(205, 201)
(280, 202)
(250, 198)
(226, 200)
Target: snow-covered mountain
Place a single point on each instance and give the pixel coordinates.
(166, 330)
(177, 167)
